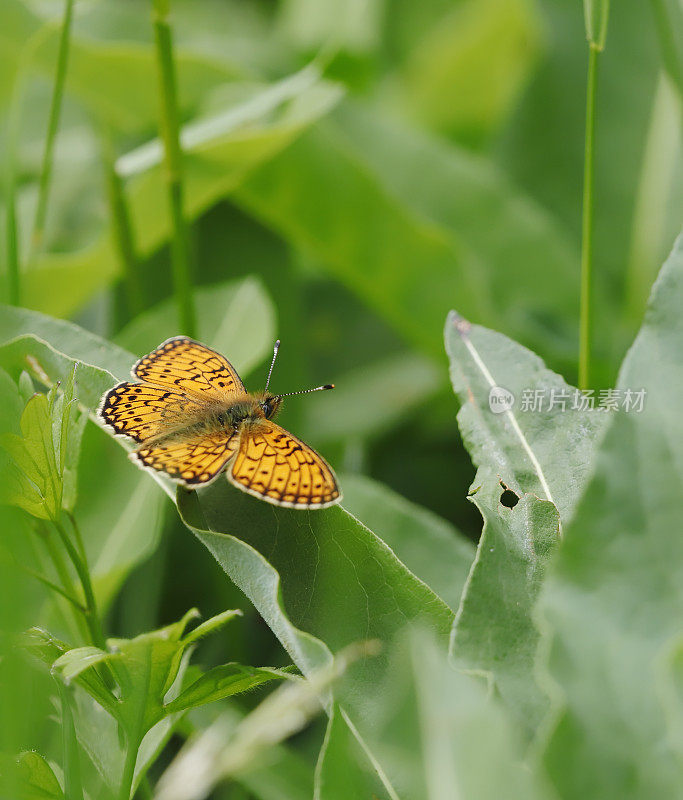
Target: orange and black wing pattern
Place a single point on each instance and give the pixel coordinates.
(182, 365)
(193, 460)
(281, 469)
(142, 411)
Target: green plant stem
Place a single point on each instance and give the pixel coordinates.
(52, 586)
(586, 311)
(12, 250)
(73, 787)
(91, 616)
(128, 771)
(53, 124)
(65, 578)
(170, 134)
(122, 230)
(77, 535)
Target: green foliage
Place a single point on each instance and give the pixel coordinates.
(347, 173)
(41, 463)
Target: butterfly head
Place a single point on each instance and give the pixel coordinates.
(270, 404)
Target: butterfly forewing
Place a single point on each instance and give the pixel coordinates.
(183, 365)
(142, 411)
(278, 467)
(194, 460)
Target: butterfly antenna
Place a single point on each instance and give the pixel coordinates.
(306, 391)
(272, 363)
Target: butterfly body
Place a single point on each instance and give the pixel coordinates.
(193, 419)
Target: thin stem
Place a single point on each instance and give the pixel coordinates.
(73, 787)
(65, 578)
(91, 616)
(12, 250)
(170, 134)
(122, 230)
(128, 771)
(586, 312)
(77, 534)
(53, 586)
(53, 125)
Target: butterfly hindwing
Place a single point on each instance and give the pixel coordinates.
(277, 467)
(193, 460)
(183, 365)
(142, 411)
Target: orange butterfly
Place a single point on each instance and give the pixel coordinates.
(193, 418)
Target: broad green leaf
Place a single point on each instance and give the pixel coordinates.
(613, 602)
(35, 778)
(547, 449)
(443, 734)
(343, 770)
(218, 153)
(370, 201)
(430, 547)
(494, 630)
(237, 318)
(221, 682)
(464, 75)
(319, 579)
(371, 399)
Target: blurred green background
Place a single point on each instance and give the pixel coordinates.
(353, 171)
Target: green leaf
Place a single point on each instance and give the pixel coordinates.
(430, 547)
(218, 153)
(36, 780)
(224, 750)
(237, 319)
(49, 650)
(545, 451)
(223, 681)
(443, 734)
(464, 75)
(371, 399)
(494, 630)
(74, 662)
(320, 580)
(33, 455)
(614, 599)
(343, 770)
(370, 200)
(210, 625)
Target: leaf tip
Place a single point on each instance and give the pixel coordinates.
(461, 325)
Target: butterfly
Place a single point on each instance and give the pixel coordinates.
(192, 419)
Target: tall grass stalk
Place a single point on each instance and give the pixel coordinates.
(170, 134)
(11, 240)
(38, 235)
(596, 13)
(122, 230)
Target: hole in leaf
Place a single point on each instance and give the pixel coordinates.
(509, 499)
